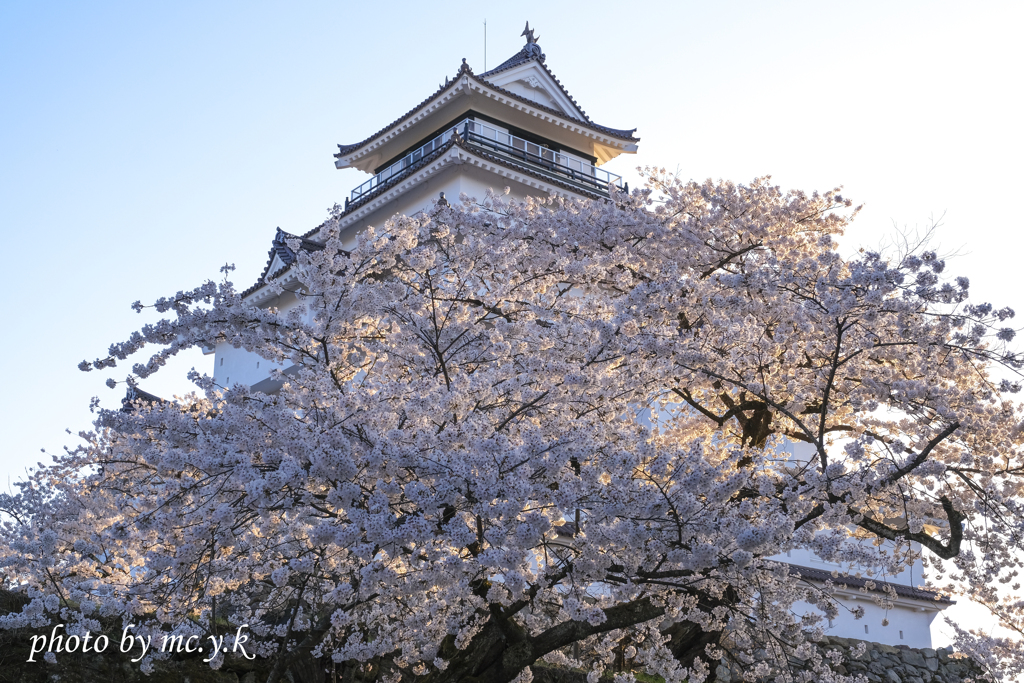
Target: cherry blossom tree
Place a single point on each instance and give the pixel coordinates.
(551, 432)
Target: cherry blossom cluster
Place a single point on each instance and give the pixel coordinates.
(553, 430)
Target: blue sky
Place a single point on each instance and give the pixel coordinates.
(143, 145)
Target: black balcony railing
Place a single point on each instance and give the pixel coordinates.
(570, 167)
(548, 161)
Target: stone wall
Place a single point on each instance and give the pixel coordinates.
(888, 664)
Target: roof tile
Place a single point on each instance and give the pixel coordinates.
(281, 236)
(521, 57)
(902, 590)
(280, 249)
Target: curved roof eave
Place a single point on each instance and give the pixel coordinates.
(525, 56)
(465, 70)
(902, 590)
(279, 248)
(456, 141)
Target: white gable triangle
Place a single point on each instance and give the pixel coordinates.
(276, 264)
(532, 81)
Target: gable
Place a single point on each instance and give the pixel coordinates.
(276, 264)
(532, 81)
(281, 256)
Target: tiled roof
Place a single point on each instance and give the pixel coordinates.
(448, 83)
(466, 70)
(280, 249)
(135, 395)
(902, 590)
(455, 141)
(531, 52)
(565, 533)
(521, 57)
(613, 132)
(553, 180)
(383, 187)
(459, 142)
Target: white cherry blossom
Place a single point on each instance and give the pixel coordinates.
(550, 430)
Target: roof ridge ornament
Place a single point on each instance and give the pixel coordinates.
(528, 32)
(532, 48)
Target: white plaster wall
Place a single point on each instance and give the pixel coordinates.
(535, 94)
(907, 624)
(453, 181)
(909, 621)
(518, 79)
(911, 576)
(233, 366)
(237, 366)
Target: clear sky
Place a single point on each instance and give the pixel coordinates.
(143, 145)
